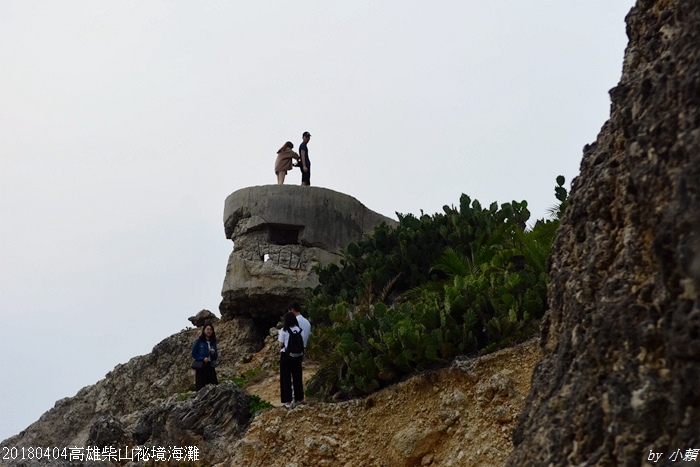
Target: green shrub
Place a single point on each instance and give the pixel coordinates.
(408, 299)
(256, 404)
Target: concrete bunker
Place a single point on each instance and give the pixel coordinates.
(279, 233)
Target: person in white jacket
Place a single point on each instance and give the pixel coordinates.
(291, 378)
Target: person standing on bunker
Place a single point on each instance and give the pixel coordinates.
(305, 162)
(283, 163)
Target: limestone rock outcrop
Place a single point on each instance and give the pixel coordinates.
(150, 400)
(280, 232)
(209, 420)
(620, 372)
(106, 431)
(460, 415)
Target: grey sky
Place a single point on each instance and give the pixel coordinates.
(124, 125)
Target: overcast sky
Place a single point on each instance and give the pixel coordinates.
(124, 126)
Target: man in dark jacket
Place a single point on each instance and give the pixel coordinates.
(305, 162)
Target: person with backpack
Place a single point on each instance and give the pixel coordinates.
(304, 323)
(291, 354)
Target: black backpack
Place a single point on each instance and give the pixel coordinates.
(295, 345)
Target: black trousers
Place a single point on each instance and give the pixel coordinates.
(290, 377)
(205, 375)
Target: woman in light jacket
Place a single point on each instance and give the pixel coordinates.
(283, 163)
(204, 351)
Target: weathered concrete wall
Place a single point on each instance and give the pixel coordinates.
(620, 375)
(280, 232)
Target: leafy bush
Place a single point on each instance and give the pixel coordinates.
(405, 255)
(407, 299)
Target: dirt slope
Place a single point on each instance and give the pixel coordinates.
(458, 416)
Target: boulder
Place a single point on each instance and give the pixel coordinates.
(210, 419)
(202, 318)
(410, 444)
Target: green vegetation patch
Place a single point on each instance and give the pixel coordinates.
(247, 377)
(411, 298)
(256, 404)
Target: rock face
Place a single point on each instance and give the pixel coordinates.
(280, 232)
(149, 400)
(210, 421)
(620, 372)
(460, 415)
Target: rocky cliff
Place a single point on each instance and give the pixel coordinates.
(618, 382)
(460, 415)
(150, 400)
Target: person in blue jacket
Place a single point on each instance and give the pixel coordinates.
(204, 351)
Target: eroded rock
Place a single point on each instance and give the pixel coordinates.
(209, 419)
(621, 342)
(148, 398)
(203, 317)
